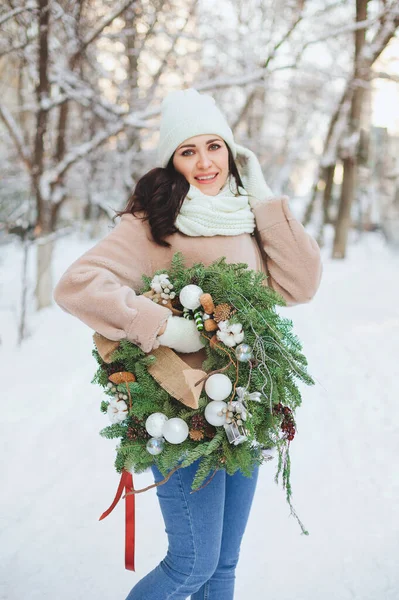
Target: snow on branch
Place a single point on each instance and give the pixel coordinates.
(17, 47)
(16, 11)
(284, 38)
(372, 50)
(382, 75)
(15, 134)
(387, 30)
(78, 90)
(351, 28)
(51, 176)
(105, 23)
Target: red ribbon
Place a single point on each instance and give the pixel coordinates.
(126, 483)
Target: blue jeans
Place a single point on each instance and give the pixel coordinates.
(204, 531)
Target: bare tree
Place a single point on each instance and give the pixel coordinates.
(343, 137)
(67, 91)
(363, 62)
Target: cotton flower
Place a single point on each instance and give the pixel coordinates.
(230, 335)
(117, 410)
(161, 285)
(159, 282)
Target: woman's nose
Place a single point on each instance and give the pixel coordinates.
(204, 162)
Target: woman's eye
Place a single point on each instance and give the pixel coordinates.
(217, 146)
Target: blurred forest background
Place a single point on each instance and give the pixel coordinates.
(311, 86)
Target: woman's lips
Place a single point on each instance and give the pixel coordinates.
(205, 181)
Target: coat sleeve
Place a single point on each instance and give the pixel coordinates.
(291, 256)
(99, 288)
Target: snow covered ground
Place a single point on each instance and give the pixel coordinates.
(57, 473)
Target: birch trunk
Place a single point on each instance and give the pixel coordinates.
(44, 280)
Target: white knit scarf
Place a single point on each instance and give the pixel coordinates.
(227, 213)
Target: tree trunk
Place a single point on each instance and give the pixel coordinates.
(24, 291)
(344, 213)
(312, 202)
(328, 178)
(327, 194)
(44, 281)
(350, 160)
(42, 93)
(44, 251)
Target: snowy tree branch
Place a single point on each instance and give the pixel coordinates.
(387, 30)
(176, 38)
(20, 46)
(16, 135)
(105, 23)
(16, 11)
(382, 75)
(284, 38)
(52, 175)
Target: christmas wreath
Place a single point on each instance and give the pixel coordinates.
(231, 413)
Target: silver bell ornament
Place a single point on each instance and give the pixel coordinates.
(243, 352)
(155, 446)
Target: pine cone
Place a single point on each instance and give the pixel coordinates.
(196, 435)
(222, 312)
(136, 429)
(110, 368)
(198, 421)
(210, 431)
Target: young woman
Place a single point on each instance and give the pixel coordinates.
(207, 199)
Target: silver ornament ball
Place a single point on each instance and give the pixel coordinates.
(243, 352)
(155, 446)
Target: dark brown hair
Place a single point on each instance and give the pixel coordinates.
(159, 194)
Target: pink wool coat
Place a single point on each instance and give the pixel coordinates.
(100, 287)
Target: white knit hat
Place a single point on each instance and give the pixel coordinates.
(185, 113)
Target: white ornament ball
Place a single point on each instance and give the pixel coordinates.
(155, 446)
(218, 386)
(212, 411)
(190, 296)
(175, 430)
(154, 424)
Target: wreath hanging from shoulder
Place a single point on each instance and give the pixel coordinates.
(230, 413)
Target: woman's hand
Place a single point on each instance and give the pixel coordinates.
(162, 330)
(252, 177)
(181, 335)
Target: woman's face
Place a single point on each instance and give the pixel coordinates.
(204, 162)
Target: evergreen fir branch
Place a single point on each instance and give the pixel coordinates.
(116, 430)
(206, 465)
(215, 442)
(195, 454)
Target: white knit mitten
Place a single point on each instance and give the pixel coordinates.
(252, 177)
(181, 335)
